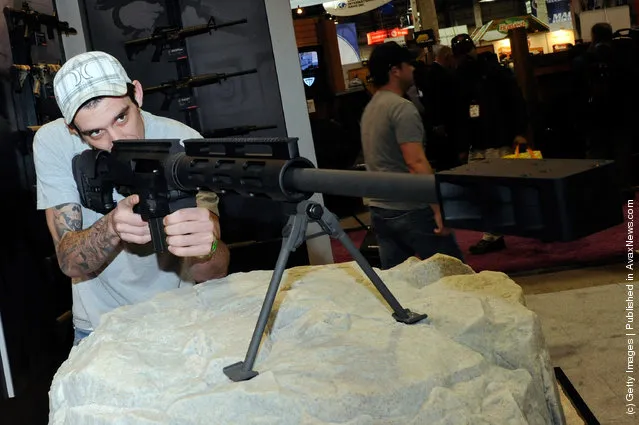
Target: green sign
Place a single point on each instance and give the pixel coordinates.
(511, 24)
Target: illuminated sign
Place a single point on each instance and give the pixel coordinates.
(425, 38)
(378, 37)
(309, 81)
(352, 7)
(507, 26)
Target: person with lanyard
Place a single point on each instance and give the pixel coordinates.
(109, 257)
(490, 116)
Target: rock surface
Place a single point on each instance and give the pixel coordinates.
(332, 354)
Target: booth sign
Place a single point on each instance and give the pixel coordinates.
(558, 11)
(378, 37)
(425, 38)
(352, 7)
(509, 24)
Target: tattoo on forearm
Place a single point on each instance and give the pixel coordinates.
(82, 252)
(68, 218)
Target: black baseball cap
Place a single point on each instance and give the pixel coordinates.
(462, 44)
(384, 57)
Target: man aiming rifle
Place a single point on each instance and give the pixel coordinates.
(108, 256)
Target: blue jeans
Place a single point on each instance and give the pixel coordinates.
(403, 234)
(79, 335)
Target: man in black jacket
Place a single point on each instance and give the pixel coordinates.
(605, 91)
(439, 110)
(490, 115)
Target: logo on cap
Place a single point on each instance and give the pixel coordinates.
(79, 74)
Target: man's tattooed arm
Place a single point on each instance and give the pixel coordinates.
(81, 252)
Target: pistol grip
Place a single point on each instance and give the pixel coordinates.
(158, 236)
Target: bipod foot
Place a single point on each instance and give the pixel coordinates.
(408, 317)
(238, 372)
(330, 224)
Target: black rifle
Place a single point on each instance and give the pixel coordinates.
(181, 88)
(236, 131)
(167, 179)
(33, 22)
(530, 193)
(171, 37)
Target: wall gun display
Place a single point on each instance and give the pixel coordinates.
(181, 88)
(33, 22)
(167, 177)
(171, 37)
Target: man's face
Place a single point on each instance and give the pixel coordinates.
(404, 75)
(113, 118)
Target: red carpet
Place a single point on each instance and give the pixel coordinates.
(524, 254)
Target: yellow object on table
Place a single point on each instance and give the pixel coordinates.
(529, 154)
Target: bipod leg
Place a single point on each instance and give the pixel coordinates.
(294, 234)
(329, 223)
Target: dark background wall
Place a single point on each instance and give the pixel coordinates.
(33, 294)
(246, 100)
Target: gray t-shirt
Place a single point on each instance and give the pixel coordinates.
(388, 121)
(136, 273)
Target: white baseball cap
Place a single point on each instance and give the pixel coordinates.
(86, 76)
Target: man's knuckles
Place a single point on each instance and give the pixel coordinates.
(187, 227)
(205, 239)
(188, 214)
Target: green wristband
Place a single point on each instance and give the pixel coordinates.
(214, 246)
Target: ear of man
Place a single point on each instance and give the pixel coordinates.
(139, 92)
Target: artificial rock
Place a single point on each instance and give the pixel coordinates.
(332, 354)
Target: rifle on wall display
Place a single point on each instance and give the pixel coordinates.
(172, 38)
(181, 88)
(33, 22)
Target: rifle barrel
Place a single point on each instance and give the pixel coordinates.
(141, 41)
(362, 184)
(205, 79)
(228, 24)
(159, 88)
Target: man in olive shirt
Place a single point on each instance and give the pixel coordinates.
(392, 141)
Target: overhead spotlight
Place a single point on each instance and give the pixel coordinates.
(299, 10)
